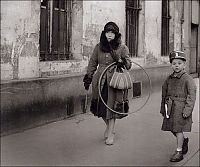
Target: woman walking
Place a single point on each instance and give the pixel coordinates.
(108, 50)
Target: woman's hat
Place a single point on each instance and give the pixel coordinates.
(111, 26)
(177, 55)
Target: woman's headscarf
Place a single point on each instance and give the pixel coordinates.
(104, 45)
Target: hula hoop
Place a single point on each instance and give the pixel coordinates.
(99, 89)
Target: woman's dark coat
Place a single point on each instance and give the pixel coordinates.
(181, 90)
(98, 62)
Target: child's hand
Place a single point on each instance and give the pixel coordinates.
(184, 115)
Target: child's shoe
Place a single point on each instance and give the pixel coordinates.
(185, 145)
(178, 156)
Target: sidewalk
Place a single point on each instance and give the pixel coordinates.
(79, 141)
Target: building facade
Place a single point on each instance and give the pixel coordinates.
(46, 45)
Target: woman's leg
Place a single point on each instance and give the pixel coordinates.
(105, 120)
(106, 131)
(113, 130)
(111, 125)
(107, 127)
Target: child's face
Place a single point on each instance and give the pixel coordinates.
(110, 35)
(178, 65)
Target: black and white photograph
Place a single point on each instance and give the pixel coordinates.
(100, 82)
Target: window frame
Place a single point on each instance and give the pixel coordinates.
(165, 28)
(132, 26)
(55, 34)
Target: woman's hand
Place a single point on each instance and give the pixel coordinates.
(120, 64)
(87, 81)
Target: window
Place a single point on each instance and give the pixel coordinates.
(132, 24)
(165, 28)
(55, 30)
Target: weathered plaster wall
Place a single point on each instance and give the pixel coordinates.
(171, 25)
(78, 64)
(175, 28)
(56, 68)
(152, 32)
(141, 30)
(77, 30)
(19, 39)
(187, 31)
(178, 12)
(20, 26)
(20, 29)
(95, 15)
(88, 20)
(195, 11)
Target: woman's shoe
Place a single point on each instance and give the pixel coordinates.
(110, 140)
(106, 134)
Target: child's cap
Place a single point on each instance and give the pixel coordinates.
(177, 55)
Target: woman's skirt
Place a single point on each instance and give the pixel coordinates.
(100, 110)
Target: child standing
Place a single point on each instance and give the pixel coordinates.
(178, 99)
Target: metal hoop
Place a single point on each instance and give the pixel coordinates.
(99, 89)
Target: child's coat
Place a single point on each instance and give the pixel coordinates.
(182, 91)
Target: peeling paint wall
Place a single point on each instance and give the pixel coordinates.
(88, 20)
(95, 15)
(78, 64)
(20, 28)
(152, 31)
(55, 68)
(141, 30)
(20, 39)
(77, 29)
(171, 24)
(178, 12)
(152, 37)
